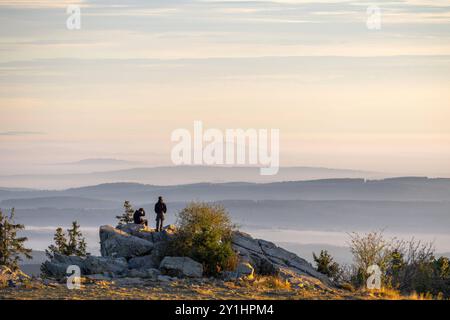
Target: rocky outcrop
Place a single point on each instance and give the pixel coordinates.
(126, 251)
(267, 258)
(90, 265)
(145, 262)
(181, 267)
(117, 243)
(131, 251)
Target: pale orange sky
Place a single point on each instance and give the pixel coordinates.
(342, 96)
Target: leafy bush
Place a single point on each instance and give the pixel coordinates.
(72, 244)
(326, 265)
(204, 233)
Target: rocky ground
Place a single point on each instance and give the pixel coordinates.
(174, 289)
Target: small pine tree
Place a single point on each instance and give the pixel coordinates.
(11, 246)
(60, 245)
(72, 244)
(127, 216)
(76, 244)
(326, 265)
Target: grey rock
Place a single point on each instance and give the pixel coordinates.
(164, 278)
(97, 265)
(130, 282)
(243, 241)
(267, 258)
(69, 260)
(181, 267)
(117, 243)
(144, 262)
(165, 235)
(54, 269)
(98, 277)
(150, 273)
(245, 270)
(137, 230)
(137, 273)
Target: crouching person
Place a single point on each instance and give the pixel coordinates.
(138, 217)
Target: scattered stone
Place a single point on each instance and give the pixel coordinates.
(164, 278)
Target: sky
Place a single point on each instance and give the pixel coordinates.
(341, 94)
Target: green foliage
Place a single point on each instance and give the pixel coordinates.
(70, 244)
(11, 246)
(204, 234)
(326, 264)
(127, 216)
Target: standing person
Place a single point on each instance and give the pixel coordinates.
(160, 210)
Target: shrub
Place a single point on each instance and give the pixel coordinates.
(409, 267)
(326, 265)
(204, 233)
(369, 249)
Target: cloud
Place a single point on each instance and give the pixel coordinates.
(20, 133)
(40, 3)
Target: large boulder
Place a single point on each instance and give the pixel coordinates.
(101, 265)
(137, 230)
(245, 269)
(146, 233)
(117, 243)
(150, 273)
(145, 262)
(181, 267)
(165, 235)
(54, 269)
(267, 258)
(57, 266)
(90, 265)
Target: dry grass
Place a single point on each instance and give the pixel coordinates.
(272, 282)
(392, 294)
(267, 288)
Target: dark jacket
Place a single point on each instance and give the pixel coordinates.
(160, 208)
(137, 217)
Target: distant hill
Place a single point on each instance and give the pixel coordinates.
(62, 202)
(176, 175)
(98, 162)
(398, 189)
